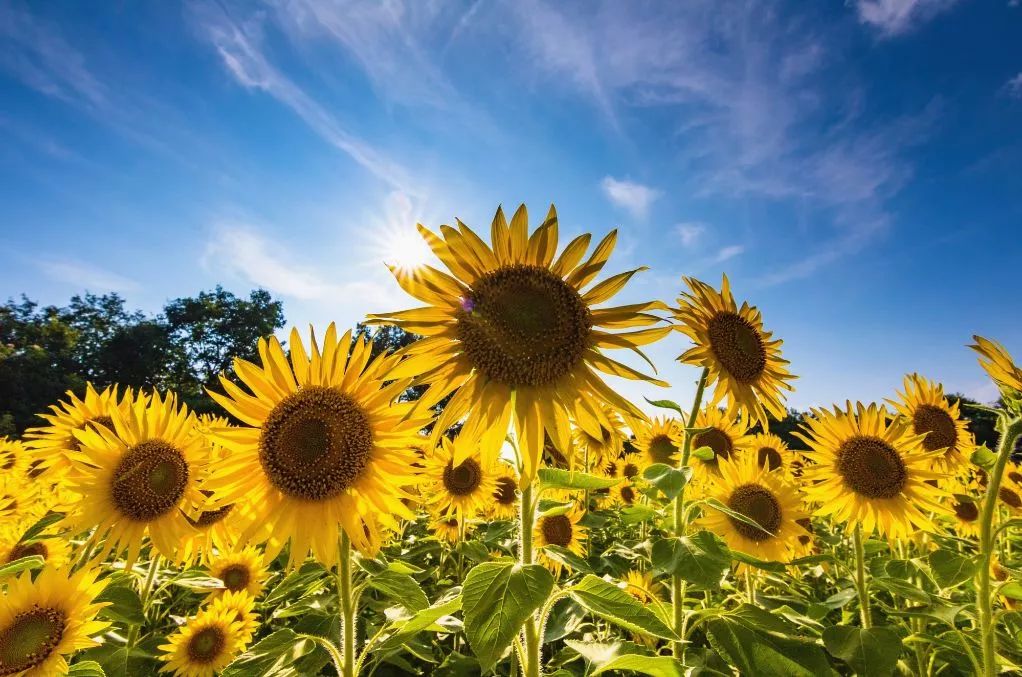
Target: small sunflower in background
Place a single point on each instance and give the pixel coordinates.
(598, 439)
(1010, 493)
(45, 621)
(766, 499)
(923, 403)
(743, 360)
(242, 605)
(563, 531)
(14, 459)
(449, 528)
(641, 586)
(870, 472)
(241, 571)
(19, 499)
(205, 645)
(723, 434)
(771, 452)
(629, 466)
(53, 549)
(514, 328)
(999, 365)
(53, 444)
(505, 493)
(139, 478)
(966, 499)
(624, 494)
(465, 489)
(659, 440)
(325, 447)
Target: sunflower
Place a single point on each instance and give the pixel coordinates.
(765, 498)
(139, 477)
(641, 586)
(505, 495)
(465, 489)
(1010, 492)
(54, 443)
(515, 332)
(659, 440)
(207, 643)
(965, 501)
(598, 440)
(629, 466)
(449, 528)
(924, 404)
(771, 452)
(325, 448)
(241, 571)
(242, 605)
(53, 549)
(998, 364)
(45, 620)
(870, 472)
(560, 530)
(19, 499)
(13, 457)
(624, 494)
(741, 358)
(723, 434)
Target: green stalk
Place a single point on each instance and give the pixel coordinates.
(679, 522)
(531, 665)
(143, 595)
(860, 578)
(347, 604)
(987, 543)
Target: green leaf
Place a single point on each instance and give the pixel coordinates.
(634, 514)
(615, 605)
(871, 652)
(22, 564)
(670, 481)
(601, 653)
(898, 587)
(197, 580)
(86, 669)
(568, 558)
(757, 653)
(563, 620)
(949, 568)
(125, 605)
(402, 588)
(40, 526)
(703, 453)
(984, 458)
(497, 599)
(655, 666)
(404, 628)
(699, 559)
(270, 655)
(555, 478)
(308, 580)
(666, 404)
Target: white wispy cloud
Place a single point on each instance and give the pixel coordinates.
(240, 49)
(895, 17)
(1013, 87)
(727, 253)
(690, 232)
(629, 195)
(86, 276)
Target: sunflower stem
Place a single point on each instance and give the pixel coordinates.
(531, 666)
(143, 596)
(860, 578)
(347, 604)
(988, 542)
(680, 523)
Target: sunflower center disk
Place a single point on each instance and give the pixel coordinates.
(210, 517)
(769, 458)
(30, 639)
(464, 479)
(758, 504)
(28, 550)
(661, 449)
(235, 577)
(716, 440)
(871, 467)
(557, 530)
(738, 346)
(315, 444)
(938, 426)
(524, 326)
(966, 511)
(628, 495)
(149, 481)
(506, 491)
(630, 470)
(206, 645)
(1010, 498)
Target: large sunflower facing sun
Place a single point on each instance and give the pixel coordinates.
(326, 446)
(658, 440)
(871, 472)
(924, 405)
(742, 359)
(139, 477)
(514, 329)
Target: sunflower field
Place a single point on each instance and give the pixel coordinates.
(482, 501)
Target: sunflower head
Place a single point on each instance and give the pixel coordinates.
(242, 605)
(870, 471)
(723, 434)
(53, 549)
(771, 452)
(641, 586)
(597, 439)
(46, 620)
(449, 528)
(512, 316)
(505, 495)
(743, 361)
(325, 447)
(466, 488)
(931, 415)
(243, 570)
(205, 645)
(562, 530)
(658, 440)
(1000, 367)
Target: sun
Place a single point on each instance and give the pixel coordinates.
(402, 248)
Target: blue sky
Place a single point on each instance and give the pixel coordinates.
(855, 167)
